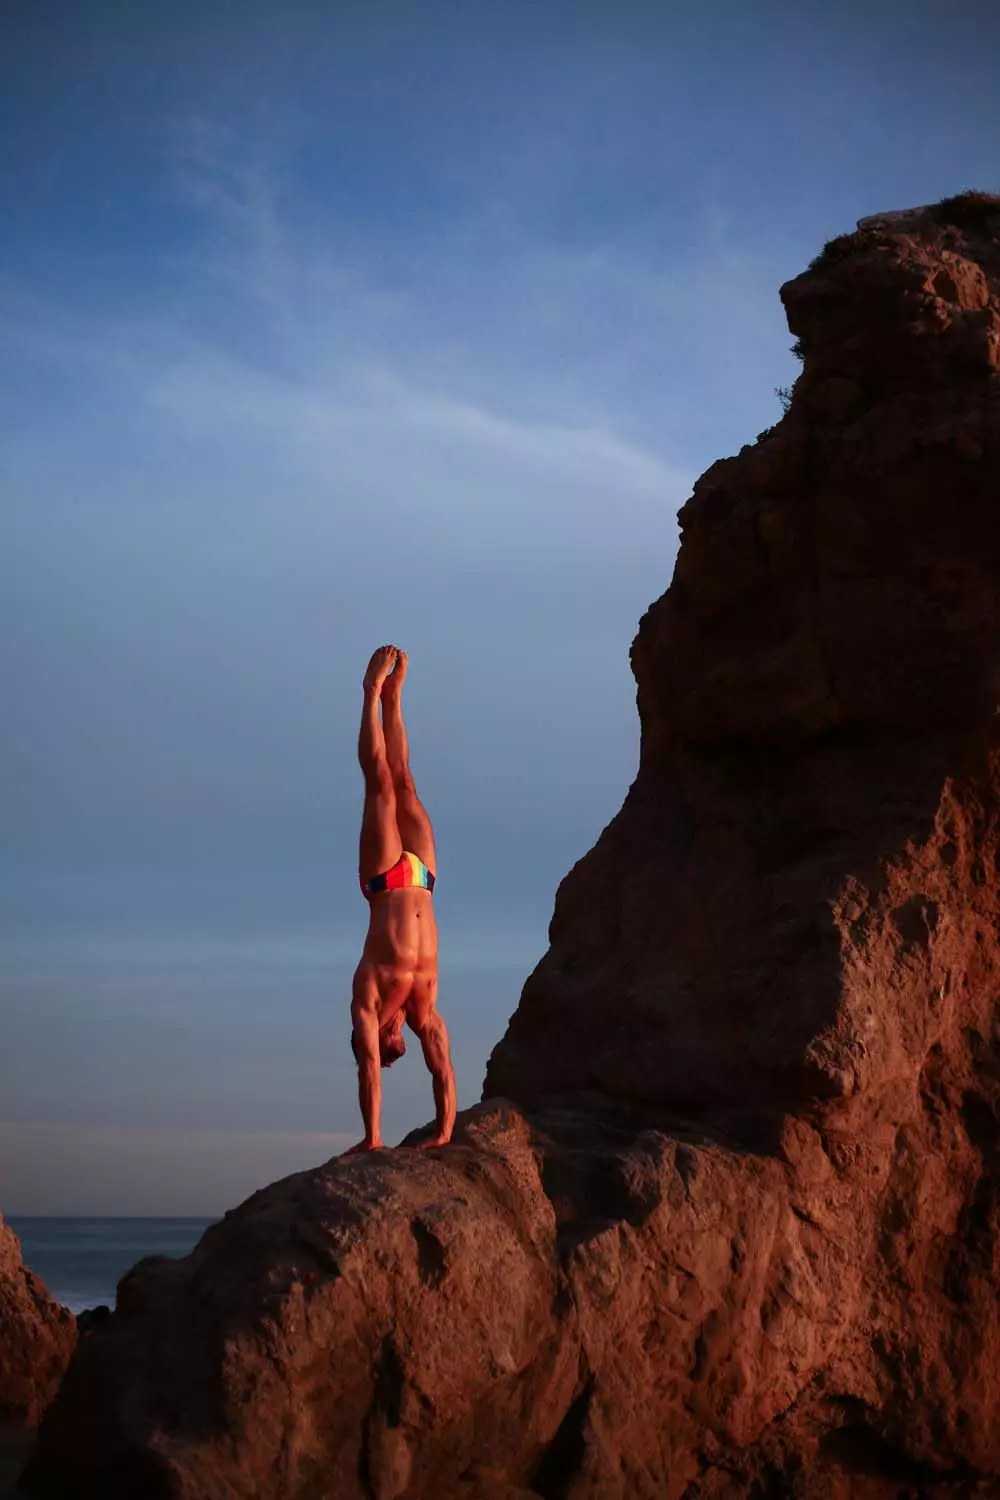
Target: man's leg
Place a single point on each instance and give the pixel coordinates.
(414, 825)
(428, 1025)
(381, 844)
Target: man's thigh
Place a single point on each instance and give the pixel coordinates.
(414, 825)
(380, 844)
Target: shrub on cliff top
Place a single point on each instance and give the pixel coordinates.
(970, 210)
(836, 249)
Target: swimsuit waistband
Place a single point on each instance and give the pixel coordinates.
(407, 871)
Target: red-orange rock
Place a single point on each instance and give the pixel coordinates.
(818, 691)
(728, 1221)
(36, 1339)
(576, 1296)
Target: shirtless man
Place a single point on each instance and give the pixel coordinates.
(397, 977)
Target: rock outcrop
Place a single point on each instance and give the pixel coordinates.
(727, 1223)
(36, 1340)
(818, 691)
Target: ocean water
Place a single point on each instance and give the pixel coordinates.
(82, 1260)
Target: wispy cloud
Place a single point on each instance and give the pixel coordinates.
(573, 364)
(372, 402)
(233, 185)
(437, 458)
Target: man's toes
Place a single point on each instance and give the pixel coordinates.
(394, 680)
(382, 662)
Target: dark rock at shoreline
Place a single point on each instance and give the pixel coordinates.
(728, 1221)
(91, 1318)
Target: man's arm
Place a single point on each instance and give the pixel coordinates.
(433, 1036)
(364, 1017)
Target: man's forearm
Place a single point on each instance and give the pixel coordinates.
(445, 1100)
(369, 1075)
(370, 1098)
(437, 1055)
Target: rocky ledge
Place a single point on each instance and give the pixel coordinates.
(727, 1221)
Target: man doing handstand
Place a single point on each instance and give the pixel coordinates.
(397, 977)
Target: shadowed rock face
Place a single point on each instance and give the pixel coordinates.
(36, 1339)
(791, 902)
(726, 1223)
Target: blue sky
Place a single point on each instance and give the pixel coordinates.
(326, 325)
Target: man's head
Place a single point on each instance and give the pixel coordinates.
(391, 1042)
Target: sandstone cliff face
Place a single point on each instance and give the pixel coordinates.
(802, 873)
(727, 1222)
(36, 1339)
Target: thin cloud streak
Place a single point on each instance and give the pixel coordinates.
(234, 189)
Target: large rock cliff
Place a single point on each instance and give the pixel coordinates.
(727, 1223)
(801, 877)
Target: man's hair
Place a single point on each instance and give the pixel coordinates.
(391, 1044)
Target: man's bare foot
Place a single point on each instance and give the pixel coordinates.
(382, 662)
(393, 684)
(362, 1147)
(434, 1140)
